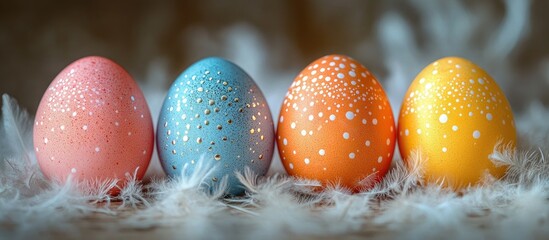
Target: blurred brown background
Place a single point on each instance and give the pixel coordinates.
(274, 40)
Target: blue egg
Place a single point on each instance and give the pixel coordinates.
(215, 113)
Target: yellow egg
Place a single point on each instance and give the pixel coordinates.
(454, 114)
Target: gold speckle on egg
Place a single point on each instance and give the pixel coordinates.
(218, 93)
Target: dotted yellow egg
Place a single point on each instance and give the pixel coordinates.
(454, 114)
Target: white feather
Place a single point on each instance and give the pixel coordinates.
(186, 202)
(17, 130)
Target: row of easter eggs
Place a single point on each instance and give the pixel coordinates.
(336, 124)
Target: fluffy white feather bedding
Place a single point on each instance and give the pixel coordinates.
(276, 206)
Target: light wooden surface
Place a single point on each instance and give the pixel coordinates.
(104, 226)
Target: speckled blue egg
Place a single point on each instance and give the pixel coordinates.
(215, 113)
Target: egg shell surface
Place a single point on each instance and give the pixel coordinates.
(93, 122)
(215, 117)
(454, 113)
(336, 125)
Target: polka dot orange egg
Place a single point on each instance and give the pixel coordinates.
(454, 113)
(93, 123)
(336, 125)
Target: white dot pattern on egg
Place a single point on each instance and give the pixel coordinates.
(455, 113)
(337, 118)
(82, 120)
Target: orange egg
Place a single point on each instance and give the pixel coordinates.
(454, 113)
(336, 125)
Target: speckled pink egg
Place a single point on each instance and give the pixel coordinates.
(94, 123)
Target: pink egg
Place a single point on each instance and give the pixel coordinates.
(94, 123)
